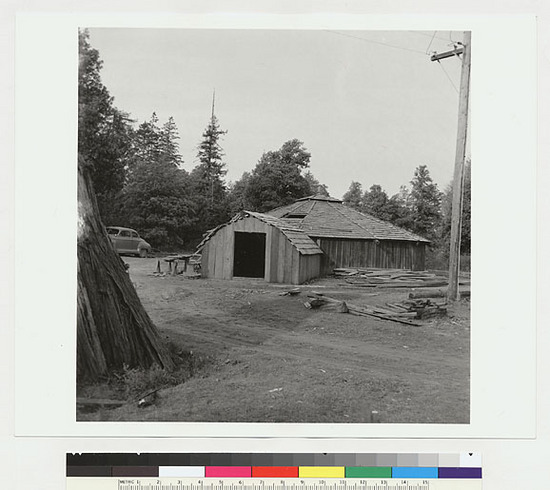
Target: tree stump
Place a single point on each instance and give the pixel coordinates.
(113, 328)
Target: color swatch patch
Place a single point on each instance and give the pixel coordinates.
(281, 465)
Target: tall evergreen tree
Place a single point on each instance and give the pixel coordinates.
(466, 233)
(157, 144)
(104, 132)
(148, 140)
(425, 199)
(156, 199)
(170, 137)
(211, 169)
(375, 203)
(207, 180)
(398, 209)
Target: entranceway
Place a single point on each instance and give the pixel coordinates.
(249, 258)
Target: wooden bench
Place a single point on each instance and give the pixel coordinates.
(185, 258)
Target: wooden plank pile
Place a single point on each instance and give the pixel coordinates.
(393, 278)
(406, 311)
(403, 312)
(319, 300)
(419, 308)
(436, 293)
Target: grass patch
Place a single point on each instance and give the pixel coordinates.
(131, 383)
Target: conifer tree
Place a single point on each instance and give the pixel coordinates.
(375, 203)
(104, 132)
(170, 145)
(465, 235)
(210, 154)
(425, 200)
(209, 188)
(156, 199)
(113, 328)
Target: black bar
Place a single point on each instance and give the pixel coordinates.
(89, 471)
(135, 471)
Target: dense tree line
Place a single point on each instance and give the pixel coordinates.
(139, 176)
(140, 181)
(422, 209)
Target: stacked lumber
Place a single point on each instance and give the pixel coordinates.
(419, 308)
(393, 278)
(436, 293)
(404, 312)
(319, 300)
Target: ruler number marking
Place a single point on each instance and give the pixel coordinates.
(308, 484)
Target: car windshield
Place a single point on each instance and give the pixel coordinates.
(112, 231)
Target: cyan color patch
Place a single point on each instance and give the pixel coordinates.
(413, 472)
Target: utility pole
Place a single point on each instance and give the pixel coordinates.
(453, 293)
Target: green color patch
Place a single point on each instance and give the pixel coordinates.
(368, 471)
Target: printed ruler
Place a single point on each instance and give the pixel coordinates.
(75, 483)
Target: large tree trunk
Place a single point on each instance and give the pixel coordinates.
(113, 329)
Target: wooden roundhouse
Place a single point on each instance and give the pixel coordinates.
(349, 238)
(262, 246)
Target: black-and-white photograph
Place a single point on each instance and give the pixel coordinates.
(274, 226)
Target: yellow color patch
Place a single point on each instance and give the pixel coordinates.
(322, 471)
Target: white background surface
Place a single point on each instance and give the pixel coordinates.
(503, 134)
(503, 349)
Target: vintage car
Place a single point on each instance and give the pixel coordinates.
(127, 241)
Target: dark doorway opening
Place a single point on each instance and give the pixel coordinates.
(249, 260)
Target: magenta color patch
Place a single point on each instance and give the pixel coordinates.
(228, 471)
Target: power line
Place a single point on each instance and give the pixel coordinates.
(424, 53)
(450, 79)
(378, 42)
(452, 40)
(429, 35)
(431, 41)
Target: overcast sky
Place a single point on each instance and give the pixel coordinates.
(370, 106)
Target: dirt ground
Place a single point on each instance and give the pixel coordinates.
(269, 359)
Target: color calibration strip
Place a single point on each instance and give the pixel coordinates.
(242, 466)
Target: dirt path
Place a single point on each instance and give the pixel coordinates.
(278, 361)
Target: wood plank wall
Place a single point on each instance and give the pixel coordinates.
(283, 262)
(387, 254)
(310, 267)
(287, 258)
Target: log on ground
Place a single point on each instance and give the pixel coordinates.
(435, 293)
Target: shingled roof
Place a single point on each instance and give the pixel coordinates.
(326, 217)
(303, 243)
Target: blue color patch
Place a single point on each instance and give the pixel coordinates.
(413, 472)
